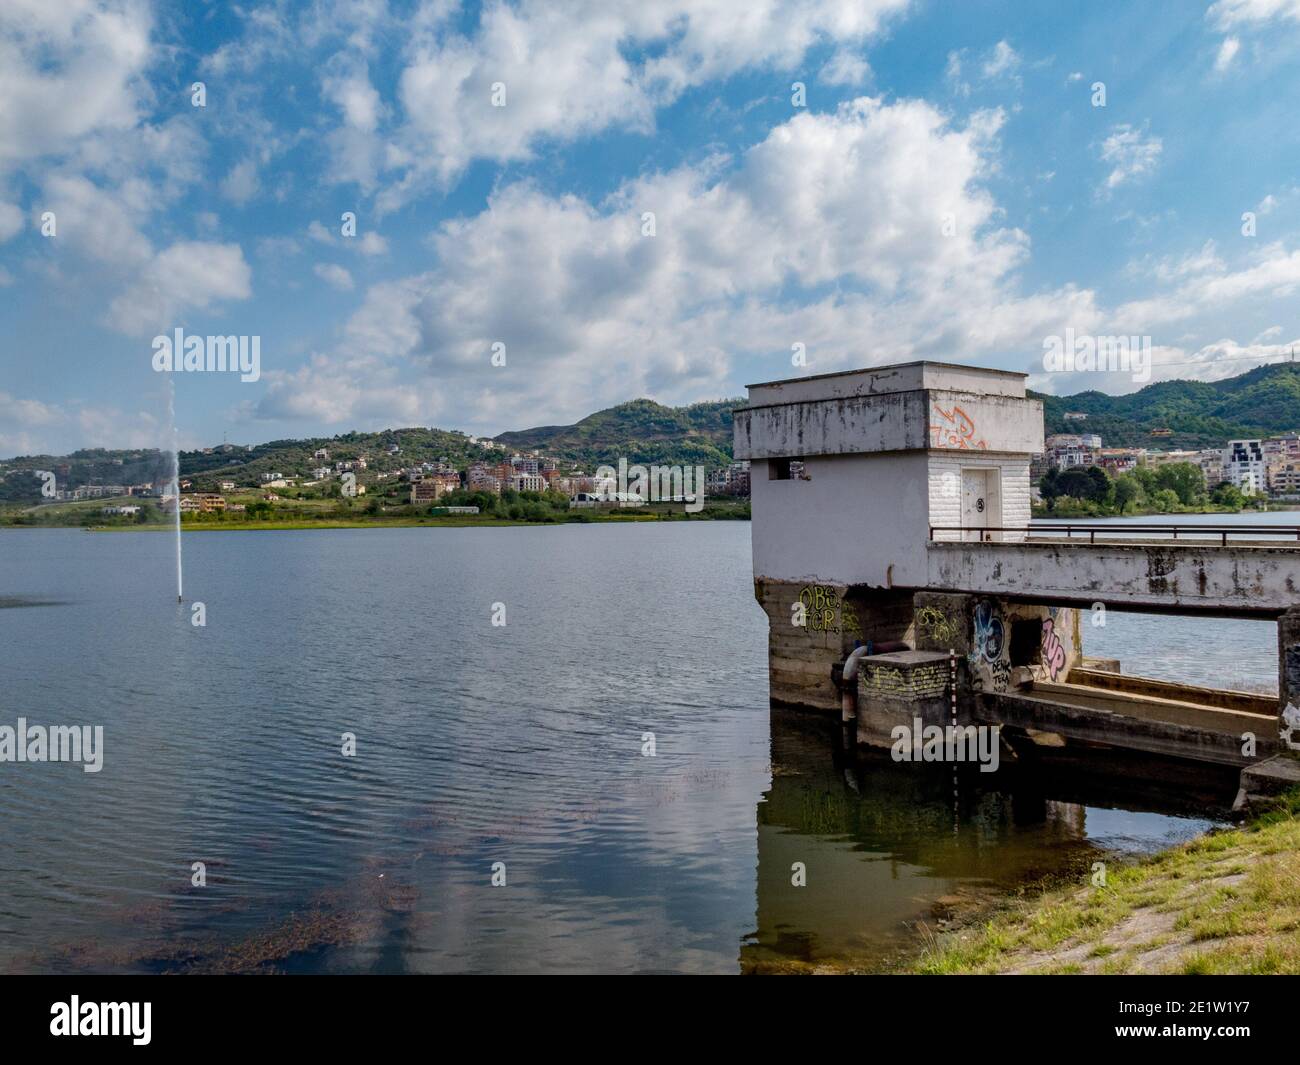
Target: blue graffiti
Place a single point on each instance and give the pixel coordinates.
(989, 633)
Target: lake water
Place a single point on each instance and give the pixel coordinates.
(477, 744)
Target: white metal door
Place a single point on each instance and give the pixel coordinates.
(976, 502)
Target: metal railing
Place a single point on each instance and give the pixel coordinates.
(1110, 532)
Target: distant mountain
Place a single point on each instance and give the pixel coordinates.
(1260, 402)
(642, 430)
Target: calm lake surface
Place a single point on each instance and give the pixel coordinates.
(478, 745)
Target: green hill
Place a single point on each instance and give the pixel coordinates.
(642, 430)
(1260, 402)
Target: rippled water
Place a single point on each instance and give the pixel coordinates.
(475, 745)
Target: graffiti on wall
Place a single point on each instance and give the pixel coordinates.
(849, 620)
(954, 429)
(990, 664)
(990, 657)
(1053, 650)
(934, 625)
(821, 604)
(825, 611)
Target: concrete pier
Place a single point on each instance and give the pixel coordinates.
(891, 507)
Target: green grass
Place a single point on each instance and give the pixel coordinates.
(1227, 902)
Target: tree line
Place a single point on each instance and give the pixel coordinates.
(1171, 487)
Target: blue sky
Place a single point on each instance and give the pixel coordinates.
(948, 190)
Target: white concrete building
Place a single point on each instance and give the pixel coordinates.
(892, 452)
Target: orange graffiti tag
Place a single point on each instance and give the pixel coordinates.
(958, 433)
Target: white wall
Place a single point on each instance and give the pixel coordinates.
(945, 503)
(857, 517)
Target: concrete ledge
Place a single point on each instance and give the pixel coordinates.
(1239, 580)
(1110, 729)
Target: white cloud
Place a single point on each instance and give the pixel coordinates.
(1131, 154)
(1205, 285)
(103, 224)
(241, 184)
(844, 68)
(1001, 63)
(828, 232)
(334, 275)
(31, 427)
(1003, 60)
(1228, 13)
(68, 69)
(356, 147)
(187, 275)
(1227, 52)
(567, 71)
(367, 242)
(11, 221)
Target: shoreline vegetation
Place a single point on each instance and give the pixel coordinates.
(338, 513)
(1227, 902)
(1170, 488)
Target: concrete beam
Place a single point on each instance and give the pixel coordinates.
(1240, 580)
(1094, 725)
(921, 419)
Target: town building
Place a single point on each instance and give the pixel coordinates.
(522, 481)
(1243, 466)
(428, 489)
(1156, 459)
(1119, 460)
(1285, 480)
(729, 480)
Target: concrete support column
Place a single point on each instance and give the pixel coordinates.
(1288, 674)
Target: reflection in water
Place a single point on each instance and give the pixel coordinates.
(474, 745)
(885, 847)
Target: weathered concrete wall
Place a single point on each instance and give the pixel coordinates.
(980, 630)
(902, 377)
(858, 519)
(1288, 678)
(893, 421)
(895, 689)
(1237, 579)
(836, 618)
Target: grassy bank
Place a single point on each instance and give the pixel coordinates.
(1227, 902)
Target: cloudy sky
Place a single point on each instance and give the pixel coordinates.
(944, 185)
